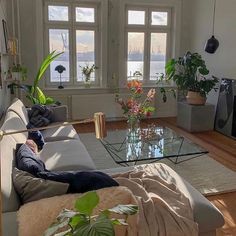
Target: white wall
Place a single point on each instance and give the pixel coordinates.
(4, 92)
(223, 62)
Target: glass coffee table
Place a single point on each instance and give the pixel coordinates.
(150, 145)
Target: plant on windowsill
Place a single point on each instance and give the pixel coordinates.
(18, 72)
(33, 92)
(82, 222)
(189, 73)
(87, 71)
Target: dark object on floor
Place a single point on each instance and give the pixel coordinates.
(225, 121)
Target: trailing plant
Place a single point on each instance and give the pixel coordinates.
(33, 92)
(189, 73)
(81, 221)
(21, 69)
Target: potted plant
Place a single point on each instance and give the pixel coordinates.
(33, 92)
(189, 73)
(19, 72)
(87, 71)
(82, 222)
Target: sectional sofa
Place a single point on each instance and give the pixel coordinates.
(65, 151)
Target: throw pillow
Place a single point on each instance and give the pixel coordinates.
(30, 188)
(28, 161)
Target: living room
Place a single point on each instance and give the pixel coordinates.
(119, 41)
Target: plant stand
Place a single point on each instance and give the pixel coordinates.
(195, 118)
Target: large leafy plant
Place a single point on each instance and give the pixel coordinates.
(189, 73)
(81, 222)
(33, 92)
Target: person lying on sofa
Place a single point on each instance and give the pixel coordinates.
(79, 181)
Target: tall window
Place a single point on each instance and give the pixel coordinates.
(147, 41)
(73, 28)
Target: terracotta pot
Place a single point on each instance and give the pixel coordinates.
(195, 98)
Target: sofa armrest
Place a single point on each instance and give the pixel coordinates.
(60, 113)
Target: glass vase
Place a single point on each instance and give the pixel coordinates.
(134, 132)
(87, 81)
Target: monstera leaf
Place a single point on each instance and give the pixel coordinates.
(81, 222)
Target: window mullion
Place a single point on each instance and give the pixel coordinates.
(147, 56)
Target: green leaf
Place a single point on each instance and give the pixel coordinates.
(87, 203)
(125, 209)
(78, 220)
(46, 62)
(41, 96)
(49, 101)
(101, 227)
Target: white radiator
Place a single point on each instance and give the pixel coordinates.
(84, 106)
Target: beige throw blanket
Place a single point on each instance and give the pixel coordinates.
(163, 209)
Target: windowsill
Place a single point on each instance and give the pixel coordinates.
(161, 85)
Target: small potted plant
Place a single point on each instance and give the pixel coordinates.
(18, 72)
(81, 221)
(87, 71)
(189, 73)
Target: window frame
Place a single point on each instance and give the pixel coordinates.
(147, 29)
(101, 8)
(173, 41)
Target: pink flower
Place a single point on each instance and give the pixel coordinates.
(151, 94)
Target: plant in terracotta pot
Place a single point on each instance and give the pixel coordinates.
(190, 74)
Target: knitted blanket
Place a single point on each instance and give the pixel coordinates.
(40, 115)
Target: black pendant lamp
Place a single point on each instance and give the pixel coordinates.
(212, 44)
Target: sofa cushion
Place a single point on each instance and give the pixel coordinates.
(19, 108)
(59, 133)
(27, 160)
(31, 188)
(66, 155)
(14, 123)
(10, 200)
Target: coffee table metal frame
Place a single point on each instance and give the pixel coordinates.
(114, 149)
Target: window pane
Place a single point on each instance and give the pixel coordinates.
(59, 41)
(136, 17)
(85, 14)
(135, 54)
(158, 54)
(159, 18)
(85, 48)
(58, 13)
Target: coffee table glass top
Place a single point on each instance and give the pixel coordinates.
(149, 144)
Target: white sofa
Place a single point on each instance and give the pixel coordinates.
(64, 151)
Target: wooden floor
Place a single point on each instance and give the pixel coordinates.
(220, 147)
